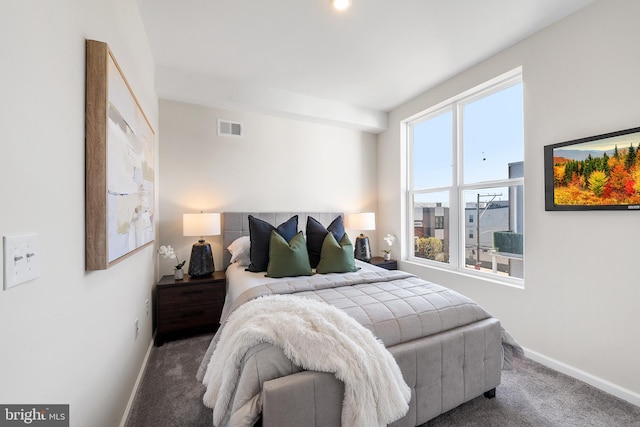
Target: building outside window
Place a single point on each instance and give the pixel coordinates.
(466, 181)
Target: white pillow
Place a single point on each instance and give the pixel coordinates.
(240, 251)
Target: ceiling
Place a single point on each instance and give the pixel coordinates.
(302, 58)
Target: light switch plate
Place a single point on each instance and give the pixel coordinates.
(21, 259)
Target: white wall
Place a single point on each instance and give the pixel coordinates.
(67, 337)
(279, 165)
(579, 309)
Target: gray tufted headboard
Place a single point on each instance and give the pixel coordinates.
(236, 224)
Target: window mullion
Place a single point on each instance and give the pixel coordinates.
(460, 211)
(455, 227)
(411, 193)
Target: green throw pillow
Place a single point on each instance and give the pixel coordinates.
(287, 259)
(336, 258)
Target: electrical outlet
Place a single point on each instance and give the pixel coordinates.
(136, 323)
(21, 260)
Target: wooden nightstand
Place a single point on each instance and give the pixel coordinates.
(379, 261)
(189, 305)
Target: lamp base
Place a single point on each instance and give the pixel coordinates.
(201, 261)
(362, 249)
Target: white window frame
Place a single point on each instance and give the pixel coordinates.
(457, 216)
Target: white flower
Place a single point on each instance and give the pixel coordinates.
(390, 239)
(168, 252)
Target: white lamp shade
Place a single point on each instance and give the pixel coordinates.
(201, 224)
(362, 221)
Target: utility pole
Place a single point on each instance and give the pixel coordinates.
(493, 196)
(478, 233)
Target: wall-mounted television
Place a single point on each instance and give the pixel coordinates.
(599, 172)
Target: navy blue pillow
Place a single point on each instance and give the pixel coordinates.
(260, 235)
(316, 234)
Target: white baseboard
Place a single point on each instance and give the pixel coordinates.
(604, 385)
(132, 397)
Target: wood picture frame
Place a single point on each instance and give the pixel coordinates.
(120, 164)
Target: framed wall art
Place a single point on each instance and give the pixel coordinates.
(599, 172)
(120, 164)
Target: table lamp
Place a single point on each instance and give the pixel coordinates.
(362, 221)
(201, 224)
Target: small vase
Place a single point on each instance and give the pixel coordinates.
(178, 274)
(387, 256)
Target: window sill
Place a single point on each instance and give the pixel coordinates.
(488, 278)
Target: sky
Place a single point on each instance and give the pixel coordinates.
(622, 141)
(492, 138)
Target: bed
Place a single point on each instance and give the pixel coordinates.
(447, 349)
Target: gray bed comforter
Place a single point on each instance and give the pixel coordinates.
(395, 306)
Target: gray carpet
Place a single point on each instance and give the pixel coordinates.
(531, 395)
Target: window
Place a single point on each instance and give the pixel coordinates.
(439, 222)
(466, 181)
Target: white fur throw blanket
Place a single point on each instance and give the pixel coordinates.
(315, 336)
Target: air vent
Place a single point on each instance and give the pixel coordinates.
(227, 128)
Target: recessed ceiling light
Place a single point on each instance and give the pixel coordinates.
(341, 4)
